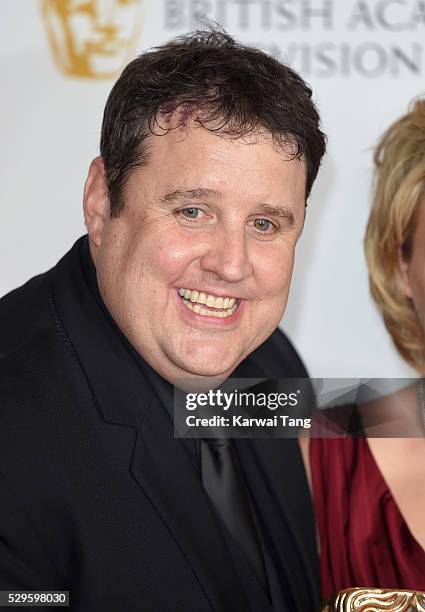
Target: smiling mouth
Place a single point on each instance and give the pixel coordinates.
(208, 305)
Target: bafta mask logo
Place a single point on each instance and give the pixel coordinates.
(92, 38)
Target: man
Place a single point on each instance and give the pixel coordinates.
(209, 150)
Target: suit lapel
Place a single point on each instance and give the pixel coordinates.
(277, 476)
(276, 473)
(163, 468)
(159, 463)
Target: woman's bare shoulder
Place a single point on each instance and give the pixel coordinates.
(304, 444)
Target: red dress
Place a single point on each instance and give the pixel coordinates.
(364, 539)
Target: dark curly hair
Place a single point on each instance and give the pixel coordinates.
(230, 88)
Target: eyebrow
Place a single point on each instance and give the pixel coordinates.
(282, 212)
(190, 194)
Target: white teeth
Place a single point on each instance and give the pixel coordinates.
(220, 314)
(224, 307)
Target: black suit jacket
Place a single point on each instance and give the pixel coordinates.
(96, 496)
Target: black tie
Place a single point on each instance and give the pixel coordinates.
(224, 482)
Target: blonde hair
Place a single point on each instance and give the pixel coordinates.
(398, 188)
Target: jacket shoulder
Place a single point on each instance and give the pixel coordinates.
(279, 358)
(24, 313)
(34, 357)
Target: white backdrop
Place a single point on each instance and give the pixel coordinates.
(364, 60)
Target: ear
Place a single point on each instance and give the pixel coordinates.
(96, 201)
(403, 267)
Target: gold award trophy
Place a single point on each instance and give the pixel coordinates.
(371, 600)
(92, 38)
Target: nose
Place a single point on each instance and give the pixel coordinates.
(105, 16)
(227, 255)
(109, 29)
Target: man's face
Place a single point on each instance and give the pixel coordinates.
(208, 220)
(92, 37)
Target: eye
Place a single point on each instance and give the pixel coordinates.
(263, 225)
(191, 213)
(81, 6)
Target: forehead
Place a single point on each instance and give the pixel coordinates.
(419, 218)
(74, 6)
(238, 176)
(195, 152)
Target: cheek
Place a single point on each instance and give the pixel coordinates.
(417, 284)
(273, 270)
(168, 256)
(81, 27)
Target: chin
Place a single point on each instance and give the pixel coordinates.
(208, 370)
(209, 366)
